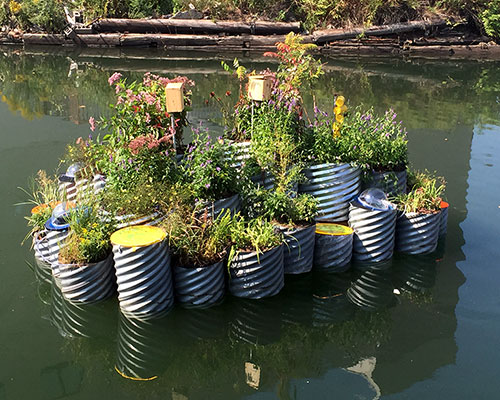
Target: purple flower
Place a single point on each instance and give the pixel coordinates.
(207, 185)
(111, 158)
(217, 169)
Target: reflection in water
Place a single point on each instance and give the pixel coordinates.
(372, 288)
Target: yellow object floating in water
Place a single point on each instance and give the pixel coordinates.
(138, 236)
(333, 229)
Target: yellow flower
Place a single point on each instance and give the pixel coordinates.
(336, 130)
(339, 102)
(14, 7)
(339, 118)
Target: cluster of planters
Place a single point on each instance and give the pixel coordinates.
(237, 210)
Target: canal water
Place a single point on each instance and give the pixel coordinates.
(437, 338)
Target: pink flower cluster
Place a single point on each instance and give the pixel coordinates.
(149, 141)
(114, 78)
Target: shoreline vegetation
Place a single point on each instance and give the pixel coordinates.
(461, 28)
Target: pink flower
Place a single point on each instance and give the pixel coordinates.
(148, 118)
(148, 98)
(92, 124)
(117, 89)
(113, 78)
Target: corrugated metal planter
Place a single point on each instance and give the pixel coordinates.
(264, 179)
(88, 283)
(256, 277)
(374, 233)
(144, 276)
(132, 220)
(417, 233)
(47, 248)
(298, 249)
(240, 153)
(199, 287)
(214, 208)
(43, 269)
(334, 186)
(391, 182)
(373, 288)
(443, 223)
(333, 247)
(67, 190)
(98, 182)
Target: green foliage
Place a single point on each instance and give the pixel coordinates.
(279, 207)
(256, 235)
(425, 195)
(88, 241)
(491, 19)
(43, 194)
(207, 169)
(198, 241)
(148, 8)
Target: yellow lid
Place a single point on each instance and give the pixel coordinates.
(333, 229)
(138, 236)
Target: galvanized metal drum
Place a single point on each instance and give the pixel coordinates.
(214, 208)
(199, 287)
(255, 276)
(333, 247)
(391, 182)
(67, 191)
(443, 223)
(47, 248)
(240, 152)
(374, 233)
(417, 233)
(88, 283)
(334, 186)
(143, 272)
(298, 249)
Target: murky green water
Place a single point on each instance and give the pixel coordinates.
(438, 339)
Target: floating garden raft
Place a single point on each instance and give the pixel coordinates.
(222, 214)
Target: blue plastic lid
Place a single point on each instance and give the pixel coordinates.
(374, 199)
(58, 220)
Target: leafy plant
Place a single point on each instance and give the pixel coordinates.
(89, 238)
(280, 207)
(43, 196)
(197, 241)
(425, 194)
(491, 19)
(256, 235)
(140, 110)
(207, 168)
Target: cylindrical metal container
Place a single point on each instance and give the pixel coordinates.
(98, 182)
(417, 233)
(199, 287)
(67, 190)
(391, 182)
(443, 223)
(334, 186)
(144, 276)
(49, 245)
(373, 288)
(333, 247)
(298, 249)
(264, 179)
(374, 233)
(88, 283)
(132, 220)
(214, 208)
(255, 276)
(239, 154)
(43, 269)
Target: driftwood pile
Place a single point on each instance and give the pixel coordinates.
(433, 37)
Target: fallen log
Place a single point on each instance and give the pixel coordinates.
(331, 35)
(45, 39)
(189, 26)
